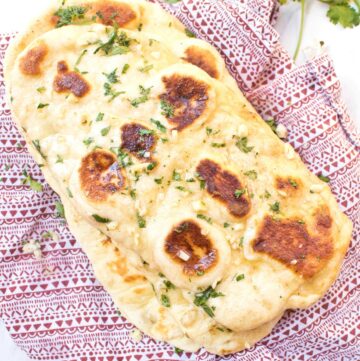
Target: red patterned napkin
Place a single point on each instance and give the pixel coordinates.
(55, 309)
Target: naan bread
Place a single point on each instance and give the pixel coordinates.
(209, 227)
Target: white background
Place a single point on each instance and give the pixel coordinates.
(342, 44)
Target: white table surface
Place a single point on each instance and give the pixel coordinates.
(342, 44)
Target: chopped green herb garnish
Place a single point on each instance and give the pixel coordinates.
(146, 68)
(141, 221)
(169, 285)
(205, 218)
(123, 158)
(41, 89)
(59, 159)
(109, 91)
(99, 117)
(100, 219)
(143, 132)
(241, 241)
(176, 176)
(144, 97)
(112, 77)
(69, 193)
(34, 185)
(242, 144)
(293, 183)
(165, 301)
(78, 61)
(42, 105)
(60, 212)
(218, 145)
(240, 277)
(201, 180)
(125, 69)
(159, 180)
(239, 192)
(267, 195)
(105, 131)
(252, 174)
(88, 141)
(167, 109)
(275, 207)
(117, 44)
(226, 225)
(178, 351)
(133, 194)
(151, 166)
(272, 124)
(201, 299)
(36, 144)
(189, 33)
(69, 15)
(159, 126)
(323, 178)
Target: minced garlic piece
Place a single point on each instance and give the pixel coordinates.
(281, 131)
(317, 188)
(136, 335)
(33, 246)
(183, 255)
(289, 151)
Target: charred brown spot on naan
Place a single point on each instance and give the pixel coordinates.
(289, 185)
(226, 187)
(289, 242)
(30, 64)
(138, 140)
(188, 98)
(203, 59)
(110, 12)
(187, 246)
(70, 81)
(100, 175)
(323, 220)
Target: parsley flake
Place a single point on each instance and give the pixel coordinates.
(239, 192)
(252, 174)
(100, 219)
(205, 218)
(167, 109)
(144, 96)
(201, 299)
(69, 15)
(158, 125)
(275, 207)
(165, 301)
(242, 144)
(141, 221)
(34, 185)
(105, 131)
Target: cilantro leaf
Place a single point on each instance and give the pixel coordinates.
(112, 77)
(242, 144)
(69, 15)
(201, 299)
(343, 14)
(144, 96)
(34, 185)
(60, 212)
(100, 219)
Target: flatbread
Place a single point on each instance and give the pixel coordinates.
(220, 225)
